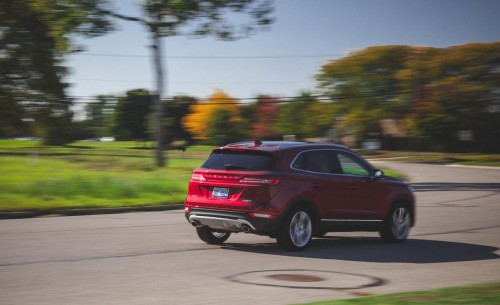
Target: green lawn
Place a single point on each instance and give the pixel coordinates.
(482, 294)
(94, 174)
(110, 174)
(91, 174)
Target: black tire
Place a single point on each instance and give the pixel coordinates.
(397, 225)
(296, 231)
(319, 233)
(211, 237)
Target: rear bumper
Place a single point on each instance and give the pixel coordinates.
(230, 221)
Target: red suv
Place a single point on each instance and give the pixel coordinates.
(293, 191)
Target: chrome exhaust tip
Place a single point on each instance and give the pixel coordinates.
(245, 229)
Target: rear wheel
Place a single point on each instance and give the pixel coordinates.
(211, 237)
(296, 232)
(319, 233)
(397, 225)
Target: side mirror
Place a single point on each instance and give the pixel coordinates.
(377, 174)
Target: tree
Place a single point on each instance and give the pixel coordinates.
(456, 92)
(290, 117)
(131, 115)
(99, 115)
(247, 113)
(220, 126)
(437, 92)
(219, 107)
(305, 117)
(264, 117)
(34, 38)
(365, 87)
(11, 118)
(319, 119)
(166, 18)
(176, 110)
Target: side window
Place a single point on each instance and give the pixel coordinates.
(351, 165)
(299, 162)
(321, 161)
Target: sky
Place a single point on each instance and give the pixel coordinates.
(281, 61)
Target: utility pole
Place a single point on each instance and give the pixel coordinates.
(155, 30)
(163, 21)
(157, 102)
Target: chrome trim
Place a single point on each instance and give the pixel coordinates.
(366, 164)
(351, 220)
(221, 223)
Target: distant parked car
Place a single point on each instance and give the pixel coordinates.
(293, 191)
(27, 139)
(371, 144)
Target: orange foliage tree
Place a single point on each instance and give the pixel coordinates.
(200, 118)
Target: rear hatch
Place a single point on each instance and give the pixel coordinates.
(240, 180)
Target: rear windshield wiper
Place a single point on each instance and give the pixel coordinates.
(232, 166)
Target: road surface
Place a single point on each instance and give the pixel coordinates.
(156, 257)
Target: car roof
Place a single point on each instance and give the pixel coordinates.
(278, 145)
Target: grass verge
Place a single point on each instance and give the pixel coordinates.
(481, 294)
(94, 174)
(82, 175)
(69, 182)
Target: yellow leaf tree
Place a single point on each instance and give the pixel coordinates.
(200, 116)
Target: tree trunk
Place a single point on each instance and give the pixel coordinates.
(158, 104)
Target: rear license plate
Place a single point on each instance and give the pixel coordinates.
(220, 192)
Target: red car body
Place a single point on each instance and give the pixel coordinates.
(293, 191)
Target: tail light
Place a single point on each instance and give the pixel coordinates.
(198, 178)
(259, 190)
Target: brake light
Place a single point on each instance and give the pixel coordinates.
(265, 181)
(198, 178)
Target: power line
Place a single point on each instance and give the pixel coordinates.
(213, 56)
(278, 100)
(186, 83)
(238, 100)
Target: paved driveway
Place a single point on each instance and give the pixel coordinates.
(156, 257)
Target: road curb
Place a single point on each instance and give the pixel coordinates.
(473, 166)
(89, 211)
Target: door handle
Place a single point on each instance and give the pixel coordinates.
(353, 187)
(315, 185)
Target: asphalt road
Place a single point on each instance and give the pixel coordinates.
(156, 257)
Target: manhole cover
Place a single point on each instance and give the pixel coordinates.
(307, 279)
(296, 278)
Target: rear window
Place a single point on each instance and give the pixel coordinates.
(239, 160)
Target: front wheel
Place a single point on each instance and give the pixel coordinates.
(296, 232)
(211, 237)
(397, 225)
